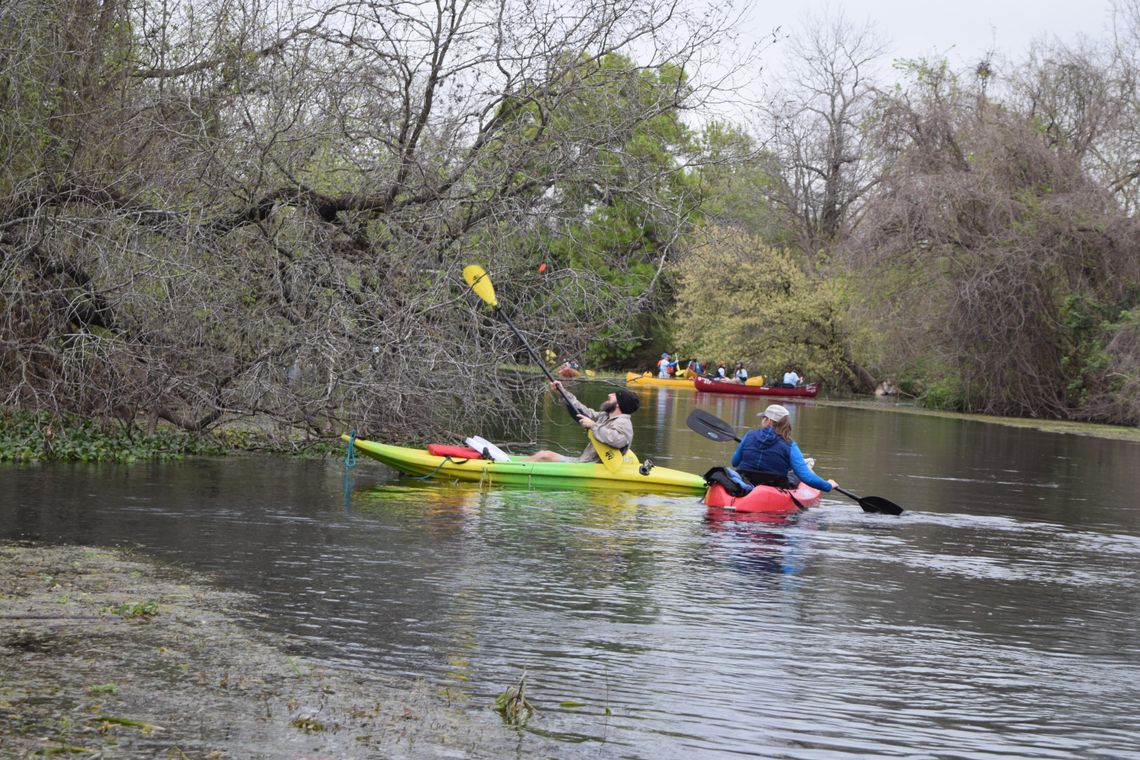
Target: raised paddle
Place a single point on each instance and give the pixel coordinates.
(716, 429)
(480, 282)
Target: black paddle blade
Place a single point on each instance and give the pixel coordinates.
(710, 426)
(873, 503)
(879, 504)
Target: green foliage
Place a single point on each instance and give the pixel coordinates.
(1087, 329)
(735, 180)
(945, 395)
(35, 436)
(739, 300)
(620, 215)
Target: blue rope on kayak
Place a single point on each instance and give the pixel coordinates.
(350, 455)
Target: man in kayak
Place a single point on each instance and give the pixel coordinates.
(769, 456)
(611, 425)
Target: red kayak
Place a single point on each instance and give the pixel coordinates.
(705, 385)
(776, 501)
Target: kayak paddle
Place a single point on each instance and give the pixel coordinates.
(716, 429)
(710, 426)
(480, 282)
(873, 503)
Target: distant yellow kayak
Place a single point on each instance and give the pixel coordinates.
(648, 378)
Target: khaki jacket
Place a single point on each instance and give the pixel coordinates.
(612, 431)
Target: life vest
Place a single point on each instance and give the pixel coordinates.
(768, 453)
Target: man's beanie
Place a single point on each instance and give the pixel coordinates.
(628, 402)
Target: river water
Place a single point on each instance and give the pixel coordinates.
(997, 617)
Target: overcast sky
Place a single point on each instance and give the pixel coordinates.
(962, 30)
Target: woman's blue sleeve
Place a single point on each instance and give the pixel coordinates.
(739, 453)
(799, 466)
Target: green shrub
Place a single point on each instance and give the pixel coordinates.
(944, 395)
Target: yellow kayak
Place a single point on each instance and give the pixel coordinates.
(628, 477)
(648, 378)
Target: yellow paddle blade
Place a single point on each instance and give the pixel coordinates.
(477, 278)
(610, 456)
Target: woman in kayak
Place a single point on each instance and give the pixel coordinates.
(769, 456)
(611, 425)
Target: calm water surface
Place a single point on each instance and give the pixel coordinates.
(996, 618)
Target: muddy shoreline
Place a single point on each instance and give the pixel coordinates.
(107, 654)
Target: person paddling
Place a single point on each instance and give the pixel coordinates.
(769, 456)
(611, 425)
(740, 374)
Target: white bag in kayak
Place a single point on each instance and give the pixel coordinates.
(487, 449)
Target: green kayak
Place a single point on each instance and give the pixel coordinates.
(532, 474)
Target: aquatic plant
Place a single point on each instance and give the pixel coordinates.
(134, 610)
(42, 436)
(513, 705)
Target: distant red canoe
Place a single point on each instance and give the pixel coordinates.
(567, 372)
(714, 386)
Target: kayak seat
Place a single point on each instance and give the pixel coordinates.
(761, 478)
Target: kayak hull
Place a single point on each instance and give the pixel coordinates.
(681, 381)
(552, 475)
(766, 499)
(712, 386)
(632, 378)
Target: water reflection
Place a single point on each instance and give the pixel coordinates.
(758, 543)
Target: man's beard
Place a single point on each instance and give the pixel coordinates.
(609, 406)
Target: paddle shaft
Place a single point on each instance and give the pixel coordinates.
(542, 365)
(476, 277)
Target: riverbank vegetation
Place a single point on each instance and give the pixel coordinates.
(43, 436)
(237, 211)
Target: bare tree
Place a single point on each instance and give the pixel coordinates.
(1084, 100)
(232, 209)
(990, 254)
(815, 126)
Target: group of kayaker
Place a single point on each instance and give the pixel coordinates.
(767, 455)
(667, 366)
